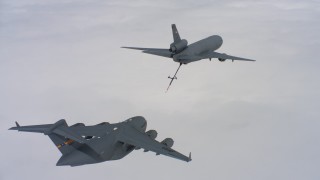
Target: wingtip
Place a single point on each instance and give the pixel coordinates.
(127, 47)
(16, 127)
(190, 159)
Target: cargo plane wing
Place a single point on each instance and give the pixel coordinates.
(80, 144)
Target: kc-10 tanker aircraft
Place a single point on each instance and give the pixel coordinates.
(183, 53)
(80, 144)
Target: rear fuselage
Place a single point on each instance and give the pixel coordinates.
(106, 147)
(198, 48)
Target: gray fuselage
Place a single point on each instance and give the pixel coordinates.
(195, 49)
(104, 147)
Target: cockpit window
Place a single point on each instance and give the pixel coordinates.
(103, 123)
(129, 120)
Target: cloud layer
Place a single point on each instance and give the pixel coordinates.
(240, 120)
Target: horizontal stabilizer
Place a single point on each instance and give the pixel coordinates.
(36, 128)
(60, 128)
(66, 132)
(163, 53)
(144, 49)
(154, 51)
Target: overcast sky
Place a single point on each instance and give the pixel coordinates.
(241, 120)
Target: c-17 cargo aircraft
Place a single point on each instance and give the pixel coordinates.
(183, 53)
(80, 144)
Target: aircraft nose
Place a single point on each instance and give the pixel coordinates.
(218, 38)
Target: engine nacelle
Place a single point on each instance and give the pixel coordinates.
(178, 46)
(221, 59)
(152, 134)
(168, 142)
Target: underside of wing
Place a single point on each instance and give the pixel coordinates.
(222, 56)
(153, 51)
(141, 140)
(163, 53)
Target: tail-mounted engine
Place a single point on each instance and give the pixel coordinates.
(177, 47)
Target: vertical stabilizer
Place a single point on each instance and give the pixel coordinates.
(175, 33)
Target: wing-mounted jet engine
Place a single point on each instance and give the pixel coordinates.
(152, 134)
(168, 142)
(222, 59)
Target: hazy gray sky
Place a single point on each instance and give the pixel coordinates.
(241, 120)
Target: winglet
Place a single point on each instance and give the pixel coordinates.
(190, 159)
(17, 124)
(15, 128)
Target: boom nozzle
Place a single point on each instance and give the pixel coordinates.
(175, 77)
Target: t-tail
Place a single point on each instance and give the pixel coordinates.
(65, 139)
(178, 44)
(175, 33)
